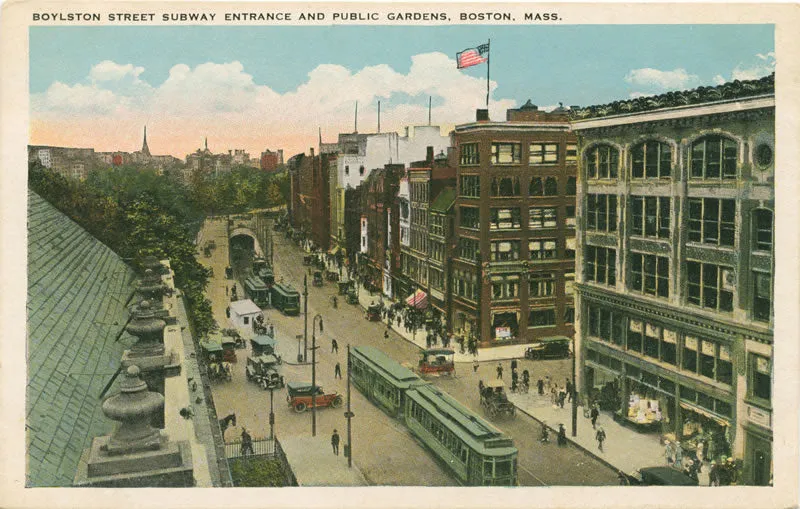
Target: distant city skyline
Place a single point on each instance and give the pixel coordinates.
(256, 88)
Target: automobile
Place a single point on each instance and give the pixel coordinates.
(437, 361)
(344, 287)
(352, 296)
(374, 313)
(660, 476)
(262, 370)
(299, 397)
(549, 348)
(317, 278)
(495, 401)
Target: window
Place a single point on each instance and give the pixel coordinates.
(572, 153)
(712, 221)
(762, 229)
(541, 285)
(572, 186)
(535, 188)
(542, 318)
(437, 224)
(651, 159)
(542, 249)
(650, 216)
(649, 274)
(602, 162)
(361, 170)
(763, 155)
(710, 286)
(465, 284)
(551, 186)
(569, 283)
(570, 215)
(506, 153)
(606, 325)
(505, 287)
(504, 251)
(543, 153)
(542, 218)
(601, 212)
(708, 359)
(469, 154)
(600, 265)
(346, 170)
(714, 157)
(470, 217)
(762, 296)
(468, 249)
(569, 315)
(471, 186)
(760, 384)
(502, 219)
(505, 186)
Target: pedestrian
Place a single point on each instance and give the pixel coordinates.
(713, 474)
(562, 435)
(272, 330)
(545, 435)
(547, 383)
(540, 387)
(600, 436)
(569, 390)
(594, 414)
(247, 443)
(226, 289)
(499, 371)
(335, 442)
(678, 456)
(562, 396)
(513, 364)
(337, 371)
(669, 453)
(334, 346)
(386, 333)
(475, 366)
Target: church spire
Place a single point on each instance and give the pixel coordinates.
(206, 143)
(145, 148)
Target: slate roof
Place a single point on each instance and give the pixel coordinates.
(445, 200)
(77, 291)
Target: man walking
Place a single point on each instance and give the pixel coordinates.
(499, 371)
(335, 442)
(600, 436)
(337, 371)
(247, 443)
(594, 414)
(334, 346)
(562, 435)
(475, 366)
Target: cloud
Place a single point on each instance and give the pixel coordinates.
(223, 101)
(719, 79)
(764, 66)
(662, 80)
(636, 95)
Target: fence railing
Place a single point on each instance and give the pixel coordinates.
(262, 448)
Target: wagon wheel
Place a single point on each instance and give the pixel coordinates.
(300, 408)
(337, 402)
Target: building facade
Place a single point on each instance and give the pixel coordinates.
(675, 242)
(513, 268)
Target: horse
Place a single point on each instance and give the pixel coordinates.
(229, 420)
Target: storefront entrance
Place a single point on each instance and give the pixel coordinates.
(758, 460)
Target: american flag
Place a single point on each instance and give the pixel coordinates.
(472, 56)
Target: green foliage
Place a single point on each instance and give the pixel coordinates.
(256, 472)
(241, 189)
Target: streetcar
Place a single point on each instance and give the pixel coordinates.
(476, 452)
(257, 291)
(262, 269)
(285, 299)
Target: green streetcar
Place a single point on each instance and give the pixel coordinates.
(285, 299)
(257, 291)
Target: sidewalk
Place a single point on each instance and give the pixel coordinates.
(314, 464)
(624, 449)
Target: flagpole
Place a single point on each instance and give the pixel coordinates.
(488, 58)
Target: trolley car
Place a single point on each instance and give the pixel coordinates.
(477, 453)
(285, 299)
(257, 291)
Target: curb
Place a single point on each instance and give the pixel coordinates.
(569, 440)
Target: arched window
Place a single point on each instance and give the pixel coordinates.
(551, 186)
(714, 157)
(762, 230)
(536, 188)
(505, 186)
(651, 159)
(602, 162)
(572, 186)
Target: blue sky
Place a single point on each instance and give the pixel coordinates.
(573, 64)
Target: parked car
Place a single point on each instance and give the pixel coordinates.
(262, 370)
(299, 397)
(549, 348)
(661, 476)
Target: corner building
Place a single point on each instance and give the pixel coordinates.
(675, 242)
(513, 267)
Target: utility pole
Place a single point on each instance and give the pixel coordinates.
(349, 415)
(271, 415)
(305, 318)
(314, 372)
(574, 392)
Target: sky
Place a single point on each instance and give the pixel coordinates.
(262, 88)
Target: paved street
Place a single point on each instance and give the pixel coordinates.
(391, 456)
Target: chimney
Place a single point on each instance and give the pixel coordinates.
(482, 115)
(429, 155)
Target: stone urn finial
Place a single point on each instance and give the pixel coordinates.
(133, 408)
(148, 329)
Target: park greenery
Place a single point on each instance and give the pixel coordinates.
(137, 212)
(257, 472)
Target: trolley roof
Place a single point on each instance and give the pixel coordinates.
(377, 360)
(211, 346)
(264, 340)
(286, 290)
(255, 282)
(463, 422)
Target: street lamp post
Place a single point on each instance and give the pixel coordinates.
(305, 318)
(349, 415)
(271, 415)
(574, 392)
(314, 371)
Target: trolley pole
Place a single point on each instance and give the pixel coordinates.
(349, 415)
(305, 318)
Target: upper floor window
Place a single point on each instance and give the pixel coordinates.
(572, 186)
(504, 219)
(601, 212)
(762, 230)
(543, 153)
(470, 217)
(360, 170)
(650, 216)
(649, 274)
(600, 265)
(536, 188)
(710, 286)
(551, 186)
(542, 218)
(469, 153)
(714, 157)
(569, 220)
(542, 249)
(505, 287)
(760, 377)
(468, 249)
(506, 153)
(471, 186)
(602, 162)
(504, 251)
(762, 296)
(505, 186)
(572, 153)
(651, 159)
(541, 284)
(712, 221)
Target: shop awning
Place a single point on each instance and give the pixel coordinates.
(418, 299)
(705, 413)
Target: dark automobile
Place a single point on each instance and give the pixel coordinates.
(661, 476)
(549, 348)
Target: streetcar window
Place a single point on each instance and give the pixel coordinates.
(464, 454)
(487, 468)
(502, 468)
